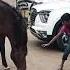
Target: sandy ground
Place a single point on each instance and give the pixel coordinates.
(38, 58)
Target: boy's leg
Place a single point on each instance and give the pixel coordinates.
(62, 64)
(65, 55)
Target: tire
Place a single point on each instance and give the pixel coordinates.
(58, 43)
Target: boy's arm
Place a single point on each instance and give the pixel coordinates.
(53, 39)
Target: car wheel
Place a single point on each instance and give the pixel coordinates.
(58, 42)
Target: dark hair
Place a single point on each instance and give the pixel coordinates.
(65, 17)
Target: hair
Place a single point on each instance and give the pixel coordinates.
(65, 17)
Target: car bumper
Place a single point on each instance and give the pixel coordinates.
(40, 34)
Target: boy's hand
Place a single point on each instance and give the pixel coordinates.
(45, 45)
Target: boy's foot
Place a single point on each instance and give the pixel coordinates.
(60, 68)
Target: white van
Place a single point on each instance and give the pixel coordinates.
(45, 19)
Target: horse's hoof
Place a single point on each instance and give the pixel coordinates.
(8, 68)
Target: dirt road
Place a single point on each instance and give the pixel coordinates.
(43, 59)
(38, 58)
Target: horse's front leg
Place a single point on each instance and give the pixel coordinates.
(2, 47)
(19, 50)
(18, 55)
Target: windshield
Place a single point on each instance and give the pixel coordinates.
(51, 0)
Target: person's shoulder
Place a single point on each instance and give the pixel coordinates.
(62, 28)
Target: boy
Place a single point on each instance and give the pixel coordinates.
(65, 29)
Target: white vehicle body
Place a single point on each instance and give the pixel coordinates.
(55, 15)
(57, 10)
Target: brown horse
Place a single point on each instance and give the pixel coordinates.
(13, 26)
